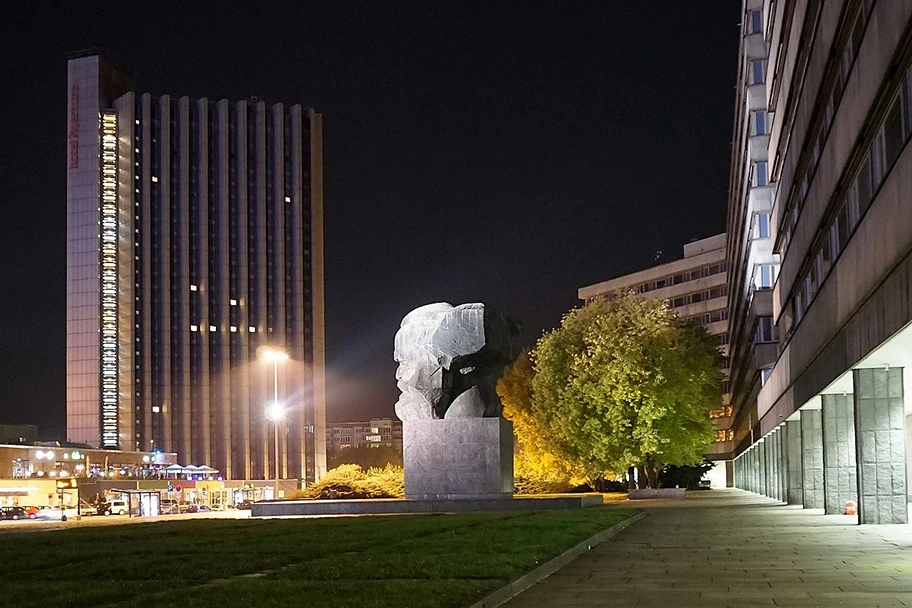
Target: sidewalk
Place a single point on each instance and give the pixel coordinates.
(732, 548)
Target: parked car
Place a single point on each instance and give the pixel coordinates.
(203, 509)
(245, 505)
(176, 508)
(117, 506)
(12, 513)
(32, 512)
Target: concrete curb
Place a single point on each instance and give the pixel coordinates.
(511, 590)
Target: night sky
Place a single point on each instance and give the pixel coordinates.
(506, 154)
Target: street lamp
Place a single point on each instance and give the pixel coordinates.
(274, 410)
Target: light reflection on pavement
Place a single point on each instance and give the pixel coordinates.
(51, 520)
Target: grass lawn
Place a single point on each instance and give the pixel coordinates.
(408, 560)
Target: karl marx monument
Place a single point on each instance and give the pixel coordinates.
(456, 444)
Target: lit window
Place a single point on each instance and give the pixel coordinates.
(755, 19)
(232, 302)
(763, 225)
(760, 122)
(287, 199)
(155, 409)
(233, 329)
(252, 330)
(155, 179)
(212, 328)
(194, 328)
(193, 288)
(137, 122)
(760, 176)
(766, 276)
(757, 71)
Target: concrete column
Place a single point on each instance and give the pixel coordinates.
(812, 459)
(758, 468)
(880, 436)
(752, 482)
(794, 492)
(783, 465)
(839, 468)
(775, 464)
(764, 469)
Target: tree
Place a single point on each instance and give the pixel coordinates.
(625, 382)
(536, 465)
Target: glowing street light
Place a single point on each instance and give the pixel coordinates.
(274, 410)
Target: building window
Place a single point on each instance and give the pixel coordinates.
(760, 122)
(763, 225)
(755, 21)
(760, 174)
(766, 330)
(757, 71)
(766, 276)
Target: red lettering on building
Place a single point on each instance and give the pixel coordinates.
(73, 131)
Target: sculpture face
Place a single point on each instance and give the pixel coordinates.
(450, 359)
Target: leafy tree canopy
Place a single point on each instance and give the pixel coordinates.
(536, 464)
(625, 382)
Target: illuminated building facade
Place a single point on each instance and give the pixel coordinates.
(825, 414)
(377, 432)
(194, 238)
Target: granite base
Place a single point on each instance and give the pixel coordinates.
(378, 506)
(458, 459)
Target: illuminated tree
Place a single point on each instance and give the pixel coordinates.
(535, 462)
(624, 382)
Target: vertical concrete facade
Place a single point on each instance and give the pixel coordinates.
(880, 435)
(840, 476)
(812, 459)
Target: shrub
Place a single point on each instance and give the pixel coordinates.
(350, 481)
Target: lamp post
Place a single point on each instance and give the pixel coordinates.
(275, 411)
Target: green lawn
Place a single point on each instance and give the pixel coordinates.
(407, 560)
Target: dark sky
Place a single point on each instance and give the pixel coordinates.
(506, 153)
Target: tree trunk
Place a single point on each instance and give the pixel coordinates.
(631, 480)
(653, 475)
(641, 478)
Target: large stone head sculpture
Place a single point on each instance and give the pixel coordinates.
(450, 358)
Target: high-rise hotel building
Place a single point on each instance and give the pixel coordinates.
(194, 239)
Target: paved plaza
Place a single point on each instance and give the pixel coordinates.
(732, 548)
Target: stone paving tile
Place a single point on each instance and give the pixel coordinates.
(731, 548)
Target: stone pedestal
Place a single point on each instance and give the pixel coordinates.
(461, 458)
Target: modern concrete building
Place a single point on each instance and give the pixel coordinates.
(194, 238)
(375, 432)
(695, 287)
(824, 404)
